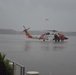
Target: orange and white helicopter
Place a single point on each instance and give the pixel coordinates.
(57, 35)
(43, 37)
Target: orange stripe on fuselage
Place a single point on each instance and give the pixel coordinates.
(42, 36)
(27, 34)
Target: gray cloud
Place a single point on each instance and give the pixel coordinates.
(32, 13)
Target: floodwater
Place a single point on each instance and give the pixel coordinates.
(48, 58)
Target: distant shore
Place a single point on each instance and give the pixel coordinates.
(33, 32)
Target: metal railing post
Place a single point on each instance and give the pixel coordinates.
(14, 64)
(23, 70)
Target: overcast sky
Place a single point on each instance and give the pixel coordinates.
(38, 14)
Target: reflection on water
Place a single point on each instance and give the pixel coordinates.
(37, 44)
(55, 48)
(45, 46)
(27, 45)
(59, 45)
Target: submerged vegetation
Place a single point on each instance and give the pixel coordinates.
(5, 67)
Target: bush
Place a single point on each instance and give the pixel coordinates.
(5, 67)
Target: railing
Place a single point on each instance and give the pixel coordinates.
(18, 69)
